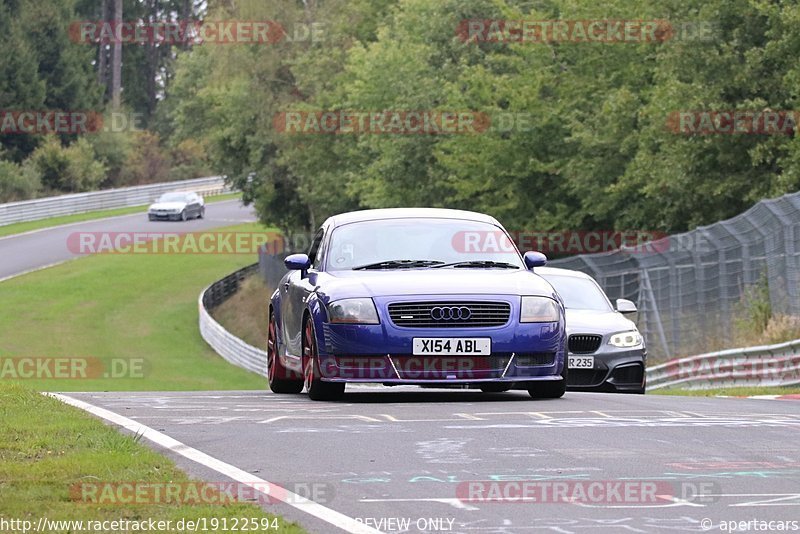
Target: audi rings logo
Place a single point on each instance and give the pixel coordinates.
(451, 313)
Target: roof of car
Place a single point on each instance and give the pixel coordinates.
(408, 213)
(555, 271)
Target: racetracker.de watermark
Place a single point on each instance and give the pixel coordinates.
(43, 122)
(199, 493)
(733, 122)
(190, 32)
(71, 368)
(350, 122)
(620, 492)
(249, 243)
(534, 31)
(559, 242)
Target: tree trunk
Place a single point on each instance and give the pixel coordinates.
(116, 75)
(102, 53)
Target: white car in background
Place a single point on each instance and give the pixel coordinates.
(177, 206)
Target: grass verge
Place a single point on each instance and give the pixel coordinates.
(245, 313)
(133, 315)
(21, 227)
(730, 392)
(47, 447)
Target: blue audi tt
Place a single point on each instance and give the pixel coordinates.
(430, 297)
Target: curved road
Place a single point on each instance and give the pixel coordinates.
(40, 248)
(402, 459)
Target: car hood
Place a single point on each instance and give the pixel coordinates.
(168, 206)
(346, 284)
(597, 322)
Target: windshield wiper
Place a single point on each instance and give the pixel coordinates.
(397, 264)
(480, 263)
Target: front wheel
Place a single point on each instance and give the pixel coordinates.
(184, 216)
(317, 389)
(280, 378)
(201, 213)
(550, 390)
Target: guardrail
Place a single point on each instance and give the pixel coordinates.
(44, 208)
(223, 342)
(768, 365)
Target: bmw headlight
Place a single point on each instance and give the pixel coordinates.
(538, 310)
(353, 311)
(626, 340)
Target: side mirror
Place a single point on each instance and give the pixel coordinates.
(297, 262)
(535, 259)
(625, 306)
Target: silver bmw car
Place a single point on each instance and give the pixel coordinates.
(606, 352)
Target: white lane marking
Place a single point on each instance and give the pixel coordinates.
(452, 501)
(308, 506)
(35, 269)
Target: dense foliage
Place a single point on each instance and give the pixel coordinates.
(594, 151)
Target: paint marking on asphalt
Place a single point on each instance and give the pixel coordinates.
(452, 501)
(270, 489)
(469, 416)
(325, 417)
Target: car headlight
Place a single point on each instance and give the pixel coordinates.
(626, 340)
(538, 310)
(353, 311)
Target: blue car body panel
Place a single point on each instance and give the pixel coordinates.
(521, 353)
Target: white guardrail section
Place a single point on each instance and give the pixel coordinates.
(223, 342)
(44, 208)
(768, 365)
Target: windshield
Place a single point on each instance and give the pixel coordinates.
(174, 197)
(428, 242)
(579, 293)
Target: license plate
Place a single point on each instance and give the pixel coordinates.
(452, 346)
(581, 362)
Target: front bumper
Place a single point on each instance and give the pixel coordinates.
(162, 216)
(521, 353)
(615, 371)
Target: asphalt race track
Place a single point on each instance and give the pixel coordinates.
(399, 459)
(32, 250)
(402, 459)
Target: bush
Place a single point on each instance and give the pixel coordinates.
(147, 162)
(190, 160)
(112, 149)
(72, 169)
(18, 182)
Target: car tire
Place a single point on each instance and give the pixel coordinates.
(201, 213)
(316, 388)
(151, 218)
(183, 216)
(495, 388)
(279, 377)
(550, 390)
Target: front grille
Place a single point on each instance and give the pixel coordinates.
(428, 314)
(584, 343)
(628, 374)
(585, 377)
(439, 367)
(533, 359)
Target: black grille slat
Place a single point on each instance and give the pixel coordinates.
(418, 314)
(584, 343)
